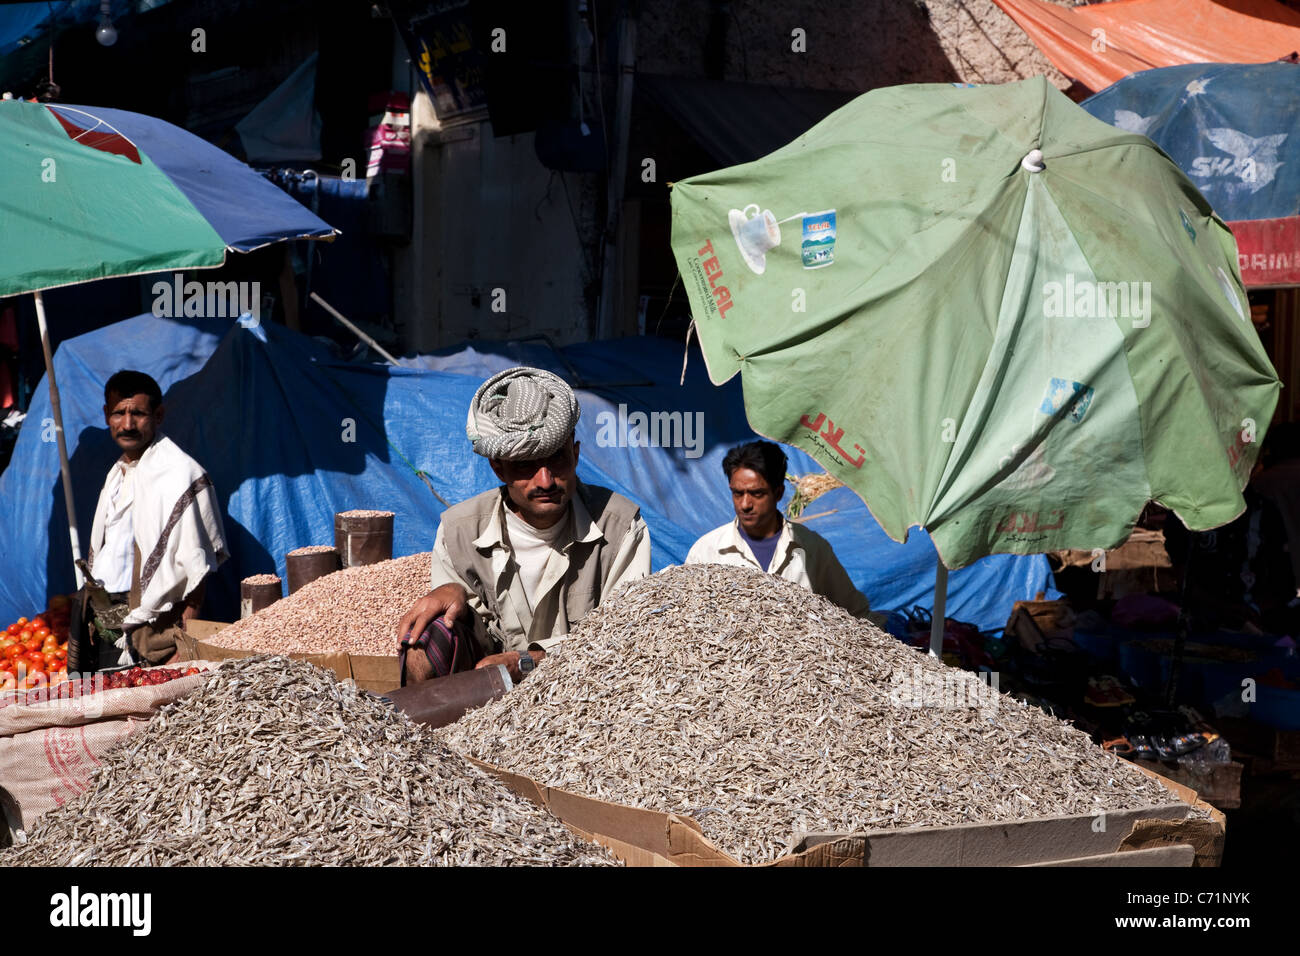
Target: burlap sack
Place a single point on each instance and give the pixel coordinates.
(50, 749)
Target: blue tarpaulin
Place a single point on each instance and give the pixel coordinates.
(1234, 128)
(289, 437)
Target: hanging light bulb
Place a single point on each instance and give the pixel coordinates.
(107, 33)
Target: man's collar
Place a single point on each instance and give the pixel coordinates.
(734, 539)
(123, 460)
(584, 529)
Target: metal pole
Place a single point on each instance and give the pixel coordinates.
(355, 331)
(610, 291)
(940, 600)
(57, 411)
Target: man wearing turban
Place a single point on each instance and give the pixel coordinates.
(515, 567)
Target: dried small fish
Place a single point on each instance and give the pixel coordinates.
(760, 708)
(263, 767)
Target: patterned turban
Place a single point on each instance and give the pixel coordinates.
(521, 414)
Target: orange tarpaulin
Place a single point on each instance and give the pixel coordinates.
(1104, 42)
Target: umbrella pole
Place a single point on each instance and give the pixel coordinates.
(57, 410)
(940, 600)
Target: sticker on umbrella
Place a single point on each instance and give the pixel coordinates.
(1061, 393)
(758, 232)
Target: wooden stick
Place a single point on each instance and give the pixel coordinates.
(57, 410)
(355, 331)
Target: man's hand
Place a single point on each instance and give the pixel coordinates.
(450, 602)
(511, 661)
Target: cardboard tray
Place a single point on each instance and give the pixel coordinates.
(1159, 836)
(376, 674)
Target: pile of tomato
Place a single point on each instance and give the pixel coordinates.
(34, 653)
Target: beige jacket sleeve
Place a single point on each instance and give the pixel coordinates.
(631, 562)
(444, 572)
(830, 580)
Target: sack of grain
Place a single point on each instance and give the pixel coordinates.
(49, 748)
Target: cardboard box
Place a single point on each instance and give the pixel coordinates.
(376, 674)
(1217, 784)
(651, 838)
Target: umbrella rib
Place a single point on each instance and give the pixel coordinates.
(98, 120)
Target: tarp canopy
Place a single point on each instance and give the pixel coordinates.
(290, 437)
(285, 126)
(1101, 43)
(1234, 128)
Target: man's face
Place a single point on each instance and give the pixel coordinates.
(132, 423)
(755, 503)
(540, 490)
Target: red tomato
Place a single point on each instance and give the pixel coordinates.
(6, 641)
(38, 622)
(41, 632)
(32, 644)
(13, 629)
(22, 620)
(13, 651)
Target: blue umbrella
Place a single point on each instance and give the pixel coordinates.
(1234, 129)
(245, 209)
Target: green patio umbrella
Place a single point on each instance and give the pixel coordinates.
(990, 314)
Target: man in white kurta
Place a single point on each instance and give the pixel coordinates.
(157, 533)
(760, 537)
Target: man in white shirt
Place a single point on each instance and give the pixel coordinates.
(760, 537)
(158, 532)
(516, 567)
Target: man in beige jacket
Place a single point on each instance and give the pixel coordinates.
(519, 565)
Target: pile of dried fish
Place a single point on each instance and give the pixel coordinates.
(354, 611)
(275, 762)
(761, 709)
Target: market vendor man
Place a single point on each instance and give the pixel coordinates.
(760, 537)
(515, 567)
(157, 534)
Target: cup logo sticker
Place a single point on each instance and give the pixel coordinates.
(755, 233)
